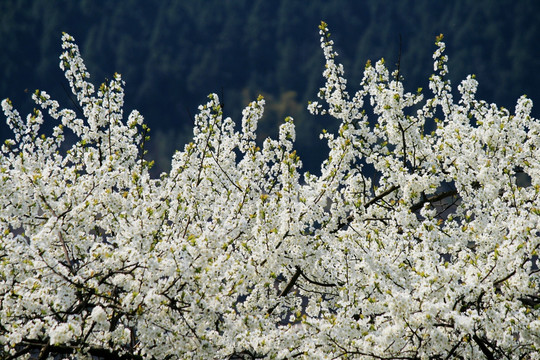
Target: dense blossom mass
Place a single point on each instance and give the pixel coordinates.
(419, 239)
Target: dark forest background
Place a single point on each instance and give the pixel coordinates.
(173, 53)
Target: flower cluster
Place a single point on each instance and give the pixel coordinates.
(419, 239)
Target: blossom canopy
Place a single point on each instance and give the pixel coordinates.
(419, 239)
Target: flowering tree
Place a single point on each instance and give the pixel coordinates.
(418, 240)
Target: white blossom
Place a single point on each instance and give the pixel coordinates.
(419, 238)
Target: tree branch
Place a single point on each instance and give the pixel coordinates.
(316, 282)
(288, 288)
(482, 345)
(433, 199)
(291, 282)
(43, 347)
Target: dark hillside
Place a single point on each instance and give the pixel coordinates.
(173, 53)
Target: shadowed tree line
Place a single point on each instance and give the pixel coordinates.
(173, 53)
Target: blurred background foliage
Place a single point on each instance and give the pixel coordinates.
(173, 53)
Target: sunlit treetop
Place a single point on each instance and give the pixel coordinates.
(419, 239)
